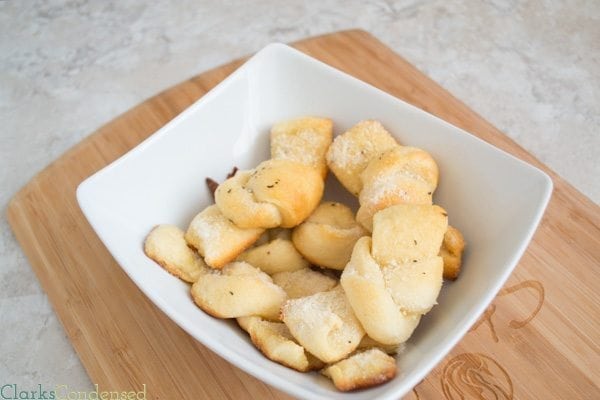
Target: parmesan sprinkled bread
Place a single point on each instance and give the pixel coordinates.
(275, 255)
(324, 324)
(166, 245)
(365, 369)
(396, 276)
(283, 193)
(276, 342)
(405, 232)
(415, 285)
(303, 282)
(403, 175)
(372, 303)
(327, 237)
(303, 140)
(217, 239)
(238, 203)
(351, 152)
(239, 290)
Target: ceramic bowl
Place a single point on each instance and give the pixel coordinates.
(495, 199)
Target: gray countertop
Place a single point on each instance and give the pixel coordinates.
(532, 68)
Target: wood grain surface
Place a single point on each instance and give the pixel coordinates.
(538, 340)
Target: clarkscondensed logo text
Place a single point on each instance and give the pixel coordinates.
(13, 391)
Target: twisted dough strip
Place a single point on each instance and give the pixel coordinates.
(395, 277)
(303, 282)
(324, 324)
(274, 252)
(238, 290)
(351, 152)
(362, 370)
(276, 342)
(369, 162)
(327, 237)
(402, 175)
(166, 245)
(304, 140)
(217, 239)
(276, 193)
(284, 190)
(406, 175)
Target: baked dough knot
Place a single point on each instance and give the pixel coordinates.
(327, 237)
(402, 175)
(277, 193)
(395, 276)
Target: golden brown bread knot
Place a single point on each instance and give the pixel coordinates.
(218, 239)
(166, 245)
(373, 166)
(402, 175)
(303, 282)
(304, 140)
(276, 342)
(275, 193)
(327, 237)
(324, 324)
(395, 277)
(362, 370)
(238, 290)
(351, 152)
(274, 252)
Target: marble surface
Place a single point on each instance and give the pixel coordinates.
(532, 68)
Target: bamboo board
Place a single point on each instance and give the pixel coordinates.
(538, 340)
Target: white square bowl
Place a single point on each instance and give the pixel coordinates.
(495, 199)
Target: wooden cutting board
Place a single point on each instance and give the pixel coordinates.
(538, 340)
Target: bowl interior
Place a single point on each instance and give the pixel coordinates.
(493, 198)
